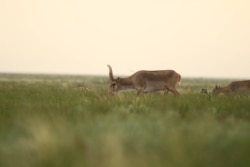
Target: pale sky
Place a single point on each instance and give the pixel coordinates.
(196, 38)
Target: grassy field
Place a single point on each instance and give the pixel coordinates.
(51, 120)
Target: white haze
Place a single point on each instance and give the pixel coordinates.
(197, 38)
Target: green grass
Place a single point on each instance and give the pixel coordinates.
(73, 121)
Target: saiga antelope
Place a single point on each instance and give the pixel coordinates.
(146, 81)
(236, 87)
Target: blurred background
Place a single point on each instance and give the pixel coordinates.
(197, 38)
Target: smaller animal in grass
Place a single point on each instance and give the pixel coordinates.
(236, 87)
(203, 90)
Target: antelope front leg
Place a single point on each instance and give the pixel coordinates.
(165, 92)
(174, 91)
(138, 92)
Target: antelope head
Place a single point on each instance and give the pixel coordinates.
(216, 90)
(114, 83)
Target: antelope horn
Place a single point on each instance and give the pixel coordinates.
(111, 77)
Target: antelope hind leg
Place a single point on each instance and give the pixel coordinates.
(174, 91)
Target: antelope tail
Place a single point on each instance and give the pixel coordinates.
(179, 80)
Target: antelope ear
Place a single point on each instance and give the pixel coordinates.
(217, 87)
